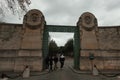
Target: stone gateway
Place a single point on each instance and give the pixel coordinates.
(26, 44)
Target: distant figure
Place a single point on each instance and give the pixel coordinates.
(62, 59)
(50, 62)
(55, 59)
(26, 72)
(47, 62)
(3, 77)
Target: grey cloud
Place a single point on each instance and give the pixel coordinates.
(112, 5)
(71, 11)
(61, 38)
(67, 12)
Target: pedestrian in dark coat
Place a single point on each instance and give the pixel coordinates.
(47, 62)
(62, 59)
(55, 59)
(51, 62)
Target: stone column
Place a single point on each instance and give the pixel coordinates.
(88, 38)
(31, 43)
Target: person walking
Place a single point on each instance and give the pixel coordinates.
(47, 62)
(62, 59)
(55, 59)
(51, 63)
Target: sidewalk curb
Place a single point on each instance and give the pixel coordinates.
(79, 72)
(107, 74)
(39, 73)
(13, 75)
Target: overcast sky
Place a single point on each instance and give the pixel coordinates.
(67, 12)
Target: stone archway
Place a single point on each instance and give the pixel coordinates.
(34, 42)
(62, 29)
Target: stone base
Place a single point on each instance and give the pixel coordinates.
(102, 59)
(17, 62)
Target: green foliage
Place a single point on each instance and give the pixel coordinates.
(69, 47)
(53, 48)
(66, 50)
(61, 50)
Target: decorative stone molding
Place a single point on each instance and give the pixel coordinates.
(88, 31)
(33, 28)
(31, 41)
(87, 21)
(33, 19)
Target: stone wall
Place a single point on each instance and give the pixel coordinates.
(12, 58)
(100, 43)
(10, 36)
(109, 37)
(109, 45)
(11, 61)
(21, 45)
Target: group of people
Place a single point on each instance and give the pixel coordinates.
(52, 62)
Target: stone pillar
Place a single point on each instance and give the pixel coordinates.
(88, 38)
(31, 43)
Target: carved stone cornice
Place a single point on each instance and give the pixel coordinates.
(33, 19)
(87, 21)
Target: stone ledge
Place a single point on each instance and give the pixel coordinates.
(102, 72)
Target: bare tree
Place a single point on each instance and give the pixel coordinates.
(15, 6)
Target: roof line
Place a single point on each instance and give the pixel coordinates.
(61, 25)
(10, 24)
